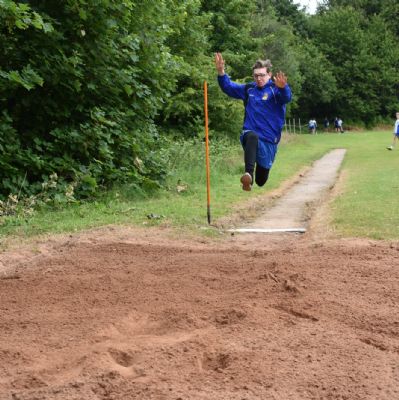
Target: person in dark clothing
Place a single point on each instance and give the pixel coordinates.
(326, 124)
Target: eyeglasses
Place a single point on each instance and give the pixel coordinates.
(256, 76)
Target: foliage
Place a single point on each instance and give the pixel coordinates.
(89, 88)
(362, 54)
(82, 94)
(288, 12)
(232, 24)
(182, 111)
(277, 42)
(319, 87)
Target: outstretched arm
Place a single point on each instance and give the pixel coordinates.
(229, 87)
(280, 79)
(219, 63)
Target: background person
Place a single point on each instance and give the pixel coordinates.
(340, 125)
(312, 126)
(395, 133)
(265, 102)
(336, 125)
(326, 124)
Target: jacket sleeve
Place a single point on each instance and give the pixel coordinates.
(232, 89)
(284, 94)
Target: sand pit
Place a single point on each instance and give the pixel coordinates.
(137, 314)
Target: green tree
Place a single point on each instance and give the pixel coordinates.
(319, 86)
(390, 14)
(182, 113)
(353, 51)
(288, 12)
(276, 41)
(81, 85)
(368, 7)
(232, 22)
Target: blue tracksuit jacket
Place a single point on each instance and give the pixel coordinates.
(265, 110)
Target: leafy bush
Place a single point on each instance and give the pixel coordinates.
(81, 85)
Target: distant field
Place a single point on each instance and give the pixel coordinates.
(365, 208)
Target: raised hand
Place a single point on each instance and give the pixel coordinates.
(219, 62)
(280, 79)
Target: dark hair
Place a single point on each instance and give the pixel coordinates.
(263, 64)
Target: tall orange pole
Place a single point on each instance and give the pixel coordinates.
(208, 178)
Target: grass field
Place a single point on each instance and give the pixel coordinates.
(365, 208)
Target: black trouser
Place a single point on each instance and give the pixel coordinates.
(250, 145)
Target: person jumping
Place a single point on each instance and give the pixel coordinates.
(265, 102)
